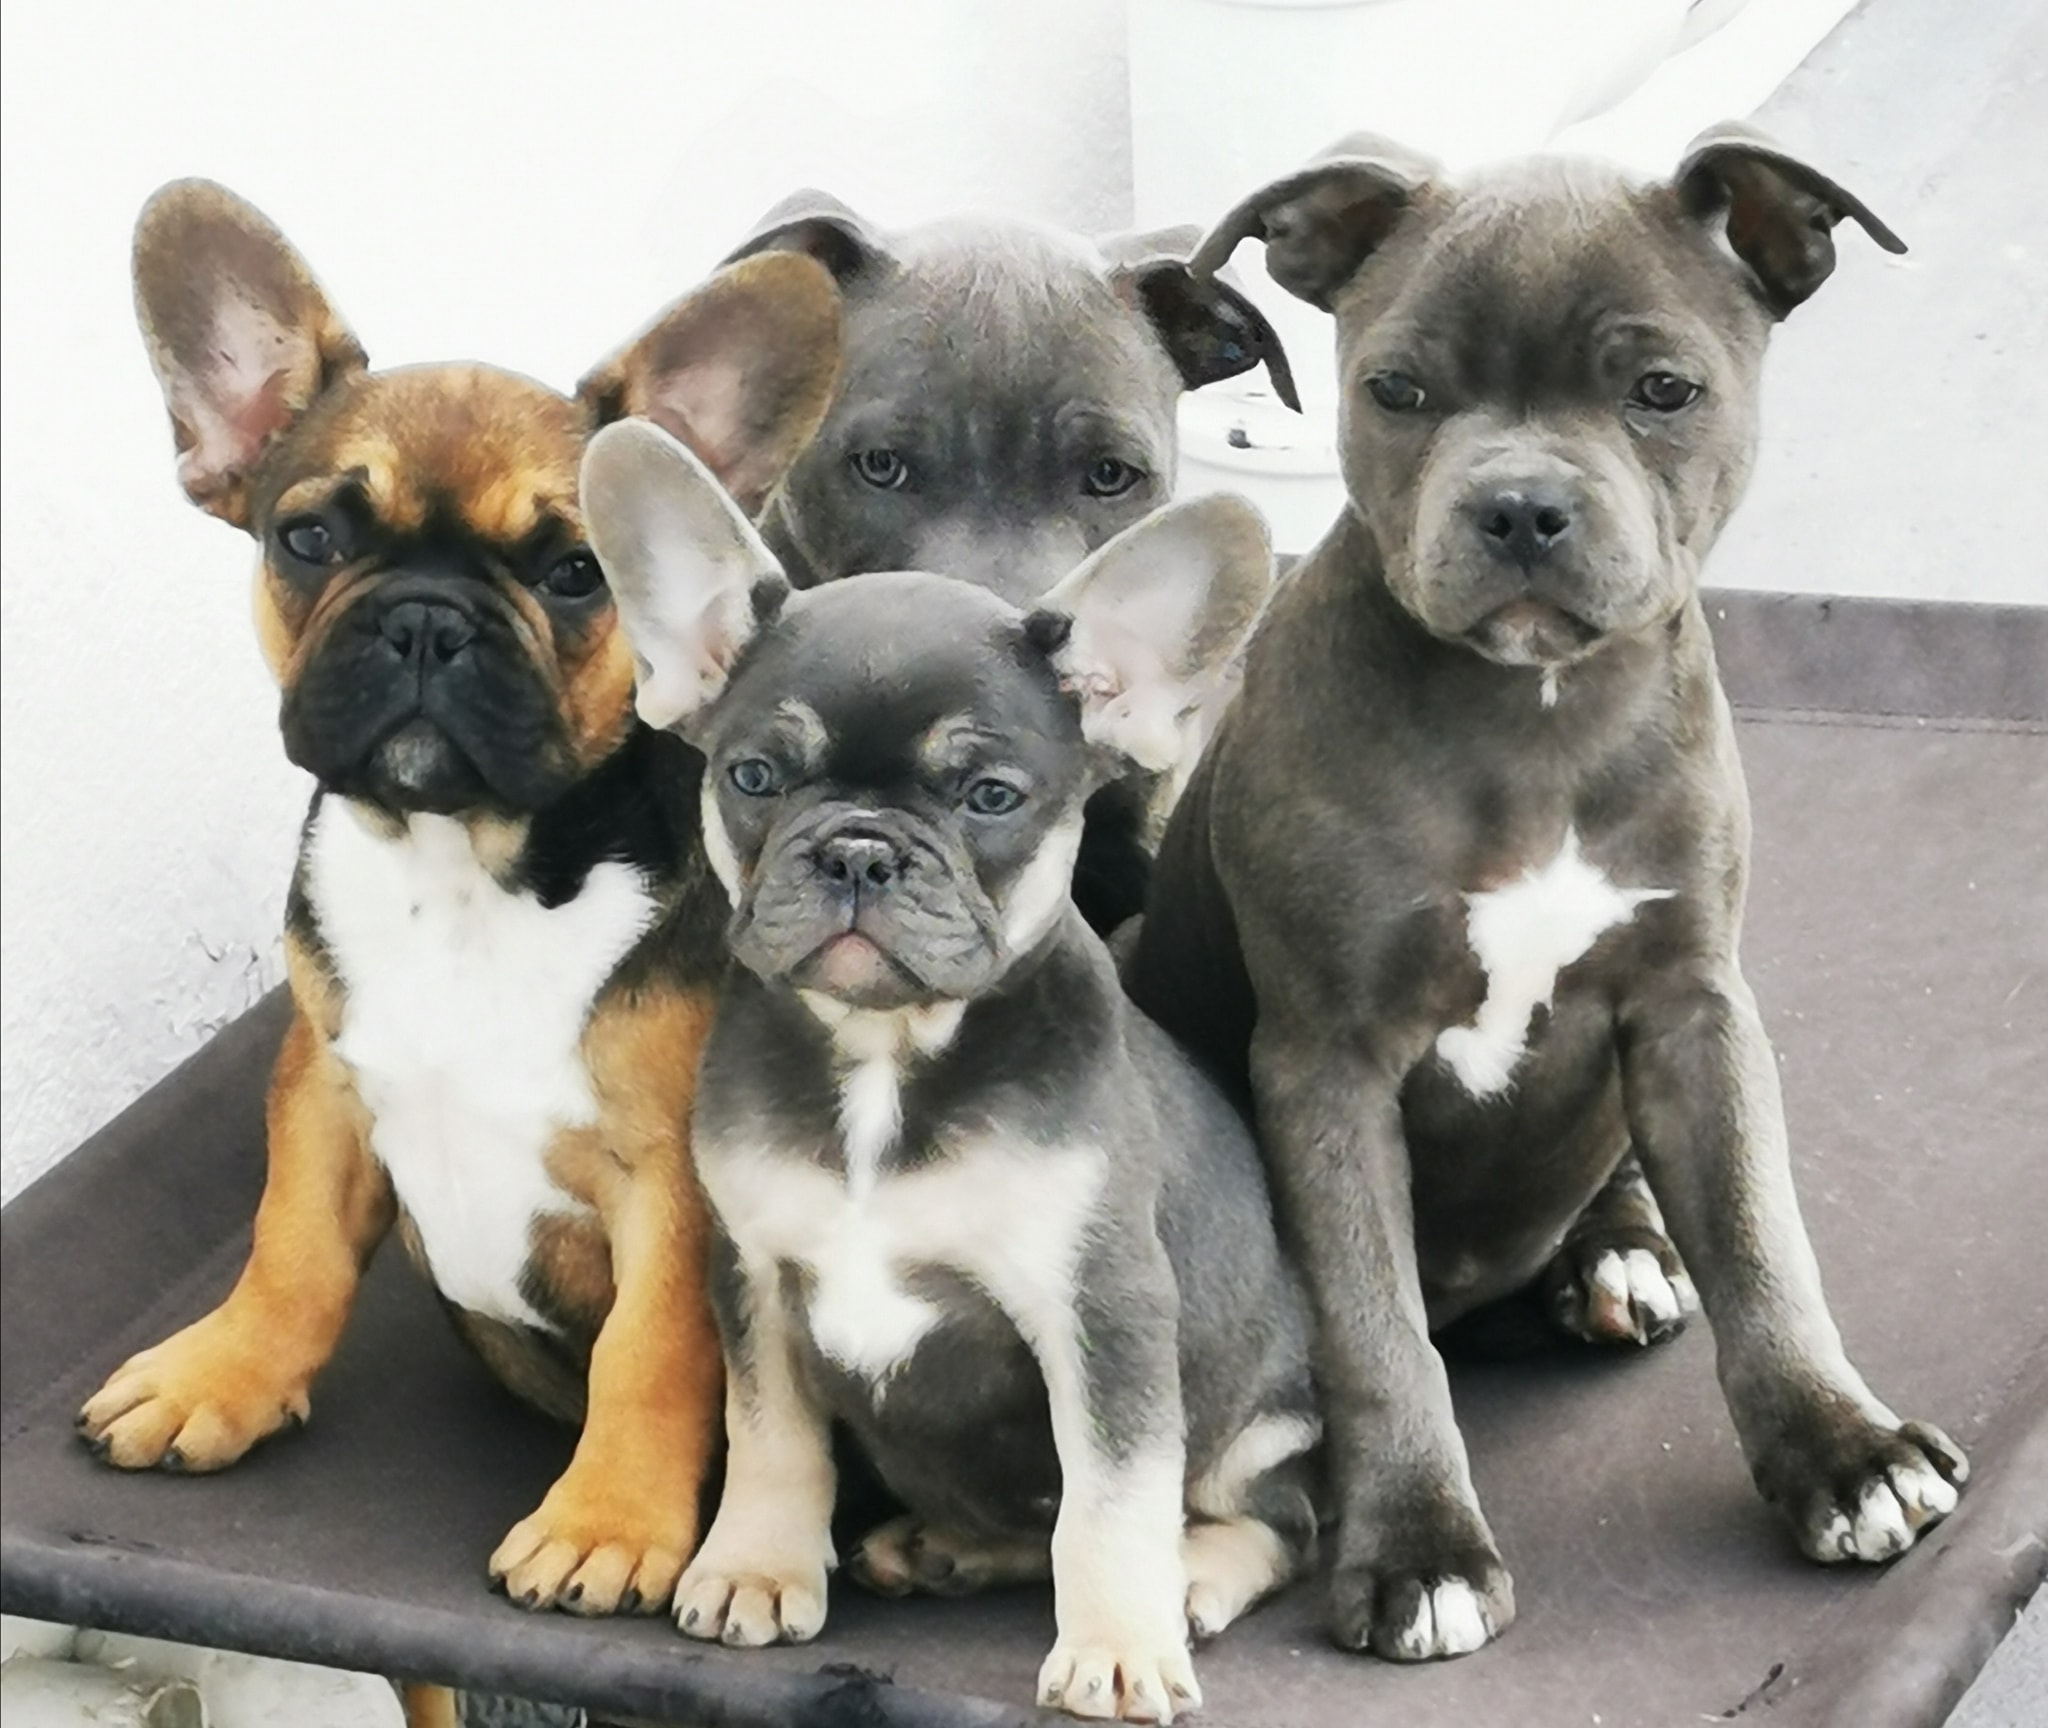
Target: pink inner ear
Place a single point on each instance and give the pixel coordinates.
(705, 405)
(228, 434)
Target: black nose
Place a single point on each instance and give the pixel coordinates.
(1520, 524)
(423, 629)
(860, 859)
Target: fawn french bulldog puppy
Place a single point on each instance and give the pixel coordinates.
(1008, 404)
(503, 939)
(970, 1202)
(1457, 891)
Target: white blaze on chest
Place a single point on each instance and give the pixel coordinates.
(462, 1024)
(1523, 935)
(1008, 1219)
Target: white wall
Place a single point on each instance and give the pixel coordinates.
(498, 179)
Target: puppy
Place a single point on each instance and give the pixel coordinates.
(503, 941)
(1008, 404)
(1458, 889)
(971, 1204)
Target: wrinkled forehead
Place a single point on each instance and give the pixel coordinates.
(1520, 278)
(1031, 309)
(491, 450)
(889, 676)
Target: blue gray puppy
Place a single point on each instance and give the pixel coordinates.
(1457, 890)
(973, 1205)
(1008, 403)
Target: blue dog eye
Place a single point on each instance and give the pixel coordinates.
(992, 798)
(754, 776)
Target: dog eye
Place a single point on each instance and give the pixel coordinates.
(309, 540)
(1396, 392)
(882, 469)
(1110, 477)
(992, 798)
(575, 576)
(1664, 392)
(755, 776)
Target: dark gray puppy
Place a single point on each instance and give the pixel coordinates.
(972, 1204)
(1008, 402)
(1008, 397)
(1457, 890)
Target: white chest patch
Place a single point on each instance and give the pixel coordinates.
(1010, 1220)
(1524, 935)
(464, 1013)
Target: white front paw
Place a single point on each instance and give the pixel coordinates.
(1125, 1680)
(751, 1604)
(1448, 1621)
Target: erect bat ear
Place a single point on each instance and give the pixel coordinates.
(1779, 212)
(692, 581)
(1145, 631)
(741, 369)
(242, 339)
(821, 227)
(1322, 222)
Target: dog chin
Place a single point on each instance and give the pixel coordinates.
(1528, 632)
(418, 768)
(853, 969)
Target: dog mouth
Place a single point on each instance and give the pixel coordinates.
(851, 966)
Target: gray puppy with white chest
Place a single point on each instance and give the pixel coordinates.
(1457, 891)
(973, 1205)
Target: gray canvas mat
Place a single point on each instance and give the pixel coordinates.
(1898, 939)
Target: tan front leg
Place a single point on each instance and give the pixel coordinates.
(614, 1532)
(204, 1396)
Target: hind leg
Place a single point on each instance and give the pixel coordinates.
(1251, 1521)
(908, 1554)
(1616, 1279)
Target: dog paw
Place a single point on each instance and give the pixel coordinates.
(907, 1554)
(751, 1604)
(1231, 1564)
(1410, 1614)
(1121, 1680)
(196, 1402)
(1609, 1293)
(1877, 1495)
(610, 1549)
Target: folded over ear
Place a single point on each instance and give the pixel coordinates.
(1209, 327)
(819, 226)
(241, 337)
(1779, 212)
(1146, 630)
(1322, 222)
(691, 579)
(741, 369)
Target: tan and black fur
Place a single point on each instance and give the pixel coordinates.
(423, 525)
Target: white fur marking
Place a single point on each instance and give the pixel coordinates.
(1011, 1221)
(1042, 889)
(1230, 1565)
(718, 847)
(1258, 1447)
(462, 1026)
(1549, 689)
(1879, 1529)
(1448, 1622)
(1523, 935)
